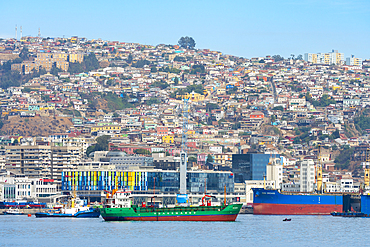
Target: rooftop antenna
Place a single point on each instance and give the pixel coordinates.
(16, 32)
(39, 33)
(21, 32)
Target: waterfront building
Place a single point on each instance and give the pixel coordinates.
(92, 183)
(42, 161)
(64, 158)
(250, 184)
(32, 161)
(24, 188)
(250, 166)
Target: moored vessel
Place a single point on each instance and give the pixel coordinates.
(78, 210)
(272, 202)
(118, 207)
(13, 211)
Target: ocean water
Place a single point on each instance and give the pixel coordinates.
(248, 230)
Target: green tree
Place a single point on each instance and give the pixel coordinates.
(102, 144)
(278, 108)
(140, 64)
(210, 158)
(129, 58)
(161, 84)
(335, 135)
(192, 159)
(211, 106)
(142, 151)
(55, 70)
(198, 68)
(176, 80)
(277, 58)
(186, 42)
(24, 54)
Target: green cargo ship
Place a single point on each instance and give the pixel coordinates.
(119, 208)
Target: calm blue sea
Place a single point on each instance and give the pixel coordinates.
(248, 230)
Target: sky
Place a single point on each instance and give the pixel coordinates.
(246, 28)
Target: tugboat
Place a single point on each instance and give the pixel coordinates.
(118, 207)
(78, 210)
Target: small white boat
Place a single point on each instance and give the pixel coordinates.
(13, 211)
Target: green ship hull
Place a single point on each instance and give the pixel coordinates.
(199, 213)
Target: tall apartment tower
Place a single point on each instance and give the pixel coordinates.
(307, 176)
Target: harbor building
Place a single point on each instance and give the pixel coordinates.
(250, 184)
(24, 188)
(92, 183)
(250, 166)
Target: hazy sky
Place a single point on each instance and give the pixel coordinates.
(243, 28)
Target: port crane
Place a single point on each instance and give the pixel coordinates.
(319, 172)
(367, 170)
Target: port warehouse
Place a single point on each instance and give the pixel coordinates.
(145, 184)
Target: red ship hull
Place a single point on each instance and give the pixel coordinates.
(176, 218)
(294, 209)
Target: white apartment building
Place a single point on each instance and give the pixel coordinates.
(307, 176)
(274, 172)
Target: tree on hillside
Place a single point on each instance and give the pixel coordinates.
(142, 151)
(210, 158)
(129, 58)
(102, 144)
(55, 70)
(211, 106)
(24, 54)
(187, 42)
(277, 58)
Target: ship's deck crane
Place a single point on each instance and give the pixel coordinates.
(367, 170)
(319, 172)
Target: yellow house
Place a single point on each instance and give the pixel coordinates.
(167, 139)
(73, 40)
(193, 96)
